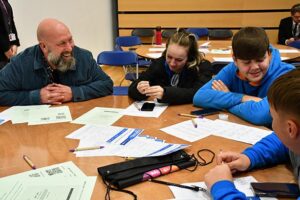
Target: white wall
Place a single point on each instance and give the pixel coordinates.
(90, 21)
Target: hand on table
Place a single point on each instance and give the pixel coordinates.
(55, 94)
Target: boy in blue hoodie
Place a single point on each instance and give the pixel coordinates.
(241, 87)
(284, 146)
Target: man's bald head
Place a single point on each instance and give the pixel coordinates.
(56, 43)
(50, 28)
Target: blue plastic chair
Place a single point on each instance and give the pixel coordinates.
(167, 33)
(199, 32)
(130, 41)
(295, 44)
(217, 66)
(143, 32)
(220, 34)
(127, 41)
(120, 90)
(126, 59)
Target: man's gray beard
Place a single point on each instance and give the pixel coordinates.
(60, 63)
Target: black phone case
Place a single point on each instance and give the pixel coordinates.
(147, 106)
(204, 112)
(287, 190)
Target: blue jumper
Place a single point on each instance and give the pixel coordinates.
(267, 152)
(23, 77)
(251, 111)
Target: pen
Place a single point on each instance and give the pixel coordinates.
(86, 148)
(137, 106)
(221, 151)
(194, 188)
(188, 115)
(29, 162)
(194, 122)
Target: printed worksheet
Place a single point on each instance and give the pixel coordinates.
(100, 116)
(20, 114)
(49, 115)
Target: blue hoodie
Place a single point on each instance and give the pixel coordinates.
(251, 111)
(267, 152)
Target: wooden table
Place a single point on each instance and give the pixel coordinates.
(143, 50)
(46, 145)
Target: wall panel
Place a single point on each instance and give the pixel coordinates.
(210, 20)
(216, 14)
(203, 5)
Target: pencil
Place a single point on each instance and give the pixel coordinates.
(194, 188)
(194, 122)
(86, 148)
(137, 106)
(221, 151)
(188, 115)
(29, 162)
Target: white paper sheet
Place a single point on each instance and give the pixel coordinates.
(4, 118)
(153, 55)
(20, 114)
(157, 49)
(288, 51)
(242, 184)
(133, 111)
(119, 141)
(205, 44)
(100, 116)
(284, 58)
(223, 59)
(48, 188)
(49, 115)
(220, 51)
(239, 132)
(204, 50)
(66, 169)
(186, 130)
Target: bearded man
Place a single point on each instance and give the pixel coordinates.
(53, 72)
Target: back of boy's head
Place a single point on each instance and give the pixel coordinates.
(250, 43)
(284, 93)
(295, 8)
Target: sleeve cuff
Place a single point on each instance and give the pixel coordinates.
(78, 94)
(34, 97)
(224, 190)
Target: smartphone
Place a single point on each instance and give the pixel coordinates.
(269, 189)
(147, 106)
(204, 112)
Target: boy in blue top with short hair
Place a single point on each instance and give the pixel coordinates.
(280, 147)
(241, 87)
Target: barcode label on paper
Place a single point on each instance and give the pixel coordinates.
(45, 118)
(35, 175)
(54, 171)
(60, 117)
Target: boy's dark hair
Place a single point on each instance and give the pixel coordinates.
(284, 93)
(295, 8)
(250, 43)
